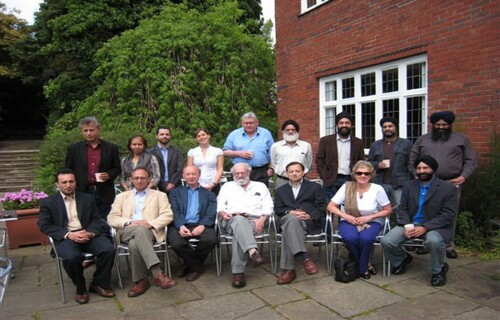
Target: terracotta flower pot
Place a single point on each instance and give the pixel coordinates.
(24, 231)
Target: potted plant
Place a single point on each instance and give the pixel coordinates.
(24, 231)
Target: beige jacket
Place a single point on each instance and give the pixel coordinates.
(157, 211)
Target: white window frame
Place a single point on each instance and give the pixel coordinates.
(402, 94)
(304, 8)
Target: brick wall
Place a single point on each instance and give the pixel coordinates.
(461, 40)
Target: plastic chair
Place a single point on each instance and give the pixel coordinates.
(122, 250)
(227, 240)
(321, 238)
(5, 269)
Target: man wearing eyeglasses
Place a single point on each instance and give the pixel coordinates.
(251, 144)
(140, 215)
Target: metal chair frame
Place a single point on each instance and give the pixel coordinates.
(227, 240)
(321, 238)
(5, 270)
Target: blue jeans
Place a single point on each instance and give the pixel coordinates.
(360, 244)
(392, 241)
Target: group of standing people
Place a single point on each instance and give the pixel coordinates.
(362, 193)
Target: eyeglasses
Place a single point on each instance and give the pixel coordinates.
(359, 173)
(139, 178)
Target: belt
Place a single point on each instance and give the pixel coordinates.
(282, 177)
(261, 167)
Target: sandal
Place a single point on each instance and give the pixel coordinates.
(372, 269)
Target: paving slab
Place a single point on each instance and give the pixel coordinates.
(410, 288)
(439, 305)
(279, 294)
(347, 299)
(483, 313)
(266, 313)
(306, 309)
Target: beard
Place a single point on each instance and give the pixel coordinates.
(344, 132)
(441, 134)
(425, 176)
(242, 181)
(291, 137)
(389, 134)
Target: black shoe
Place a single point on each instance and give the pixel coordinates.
(422, 251)
(439, 279)
(402, 267)
(365, 275)
(452, 254)
(410, 248)
(372, 269)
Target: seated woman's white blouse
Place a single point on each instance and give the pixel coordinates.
(373, 199)
(207, 163)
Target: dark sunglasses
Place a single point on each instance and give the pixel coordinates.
(359, 173)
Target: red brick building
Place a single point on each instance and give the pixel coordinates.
(401, 58)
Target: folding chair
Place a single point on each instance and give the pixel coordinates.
(5, 269)
(227, 240)
(89, 258)
(3, 240)
(122, 250)
(321, 238)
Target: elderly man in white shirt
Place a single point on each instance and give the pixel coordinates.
(288, 150)
(243, 206)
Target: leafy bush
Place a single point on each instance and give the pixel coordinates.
(480, 204)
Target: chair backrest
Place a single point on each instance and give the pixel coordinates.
(5, 269)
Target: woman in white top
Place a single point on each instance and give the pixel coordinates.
(366, 204)
(209, 159)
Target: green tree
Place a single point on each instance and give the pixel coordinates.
(12, 30)
(183, 68)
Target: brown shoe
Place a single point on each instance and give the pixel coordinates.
(163, 281)
(139, 288)
(287, 277)
(192, 276)
(257, 259)
(239, 280)
(310, 267)
(106, 293)
(82, 298)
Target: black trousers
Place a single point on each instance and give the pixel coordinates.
(193, 259)
(72, 254)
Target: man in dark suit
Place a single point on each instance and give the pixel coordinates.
(96, 164)
(428, 207)
(337, 153)
(194, 217)
(71, 219)
(170, 159)
(301, 206)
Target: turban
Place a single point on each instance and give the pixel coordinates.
(447, 116)
(389, 119)
(428, 160)
(342, 115)
(290, 122)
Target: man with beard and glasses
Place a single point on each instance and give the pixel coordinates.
(337, 153)
(243, 206)
(288, 150)
(390, 156)
(428, 207)
(453, 151)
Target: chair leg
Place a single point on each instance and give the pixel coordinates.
(117, 266)
(166, 262)
(60, 277)
(218, 259)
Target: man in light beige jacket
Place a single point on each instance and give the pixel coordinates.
(140, 215)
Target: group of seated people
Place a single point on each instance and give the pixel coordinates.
(142, 213)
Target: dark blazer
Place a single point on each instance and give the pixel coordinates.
(76, 159)
(53, 219)
(175, 164)
(207, 206)
(327, 158)
(401, 171)
(310, 198)
(439, 208)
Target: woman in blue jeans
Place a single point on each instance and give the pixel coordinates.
(365, 206)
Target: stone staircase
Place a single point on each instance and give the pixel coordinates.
(18, 164)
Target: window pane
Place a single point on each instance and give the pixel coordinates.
(415, 76)
(331, 91)
(330, 120)
(311, 3)
(390, 80)
(414, 110)
(368, 123)
(351, 109)
(368, 84)
(348, 88)
(390, 108)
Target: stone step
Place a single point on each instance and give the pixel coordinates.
(20, 144)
